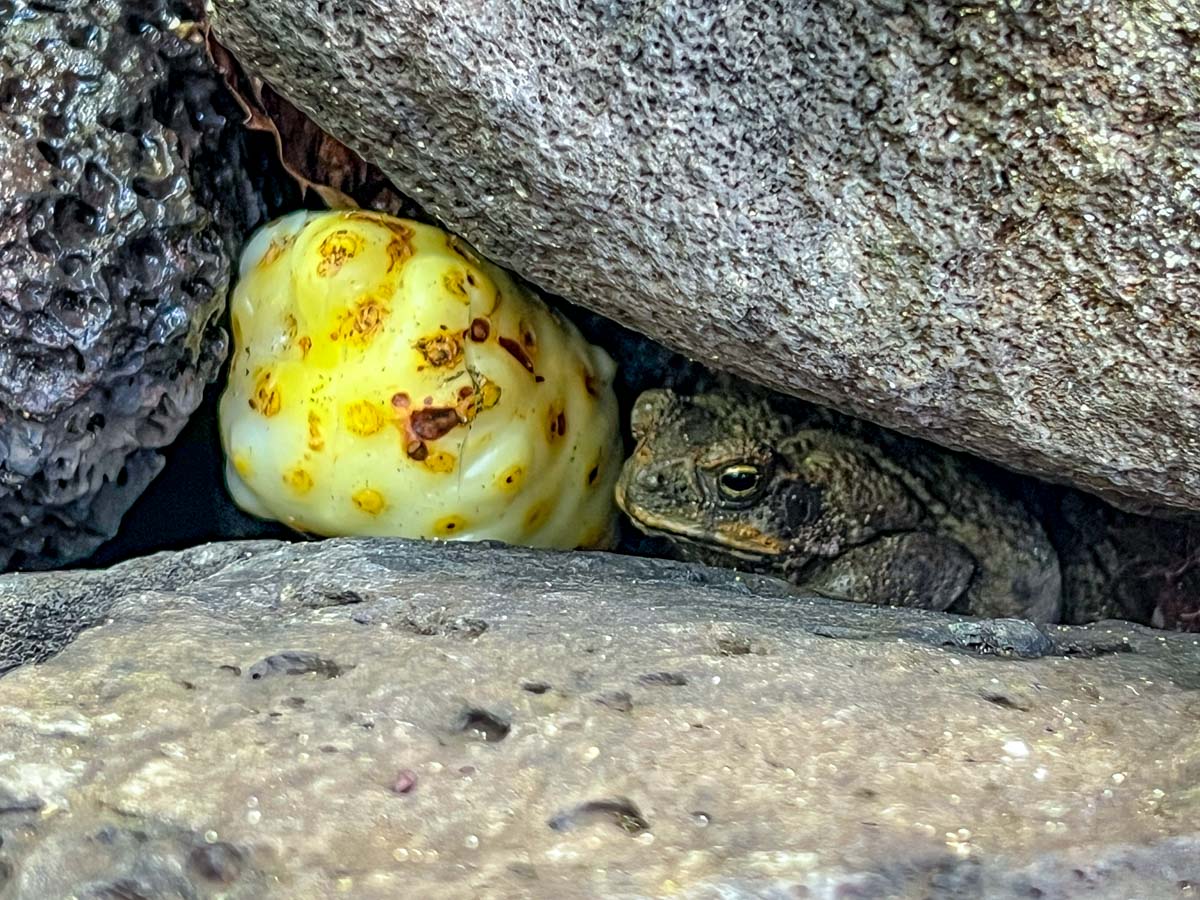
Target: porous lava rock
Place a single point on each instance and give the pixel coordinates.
(380, 718)
(123, 198)
(976, 223)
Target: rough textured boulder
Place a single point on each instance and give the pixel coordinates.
(122, 199)
(977, 223)
(384, 719)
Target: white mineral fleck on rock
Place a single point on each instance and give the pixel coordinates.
(1016, 749)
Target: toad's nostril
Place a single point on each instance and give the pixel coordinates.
(650, 478)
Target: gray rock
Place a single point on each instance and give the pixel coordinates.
(123, 198)
(385, 718)
(975, 223)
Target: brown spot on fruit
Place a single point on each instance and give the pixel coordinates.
(363, 321)
(369, 501)
(593, 474)
(305, 345)
(537, 514)
(416, 450)
(510, 479)
(448, 526)
(591, 383)
(266, 399)
(441, 349)
(316, 440)
(517, 352)
(434, 422)
(538, 379)
(290, 326)
(336, 250)
(465, 391)
(558, 422)
(363, 418)
(528, 339)
(457, 246)
(455, 283)
(400, 400)
(440, 462)
(299, 480)
(480, 329)
(276, 249)
(399, 248)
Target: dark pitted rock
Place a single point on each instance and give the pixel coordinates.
(972, 222)
(123, 198)
(265, 720)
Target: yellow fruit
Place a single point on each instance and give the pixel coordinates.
(385, 380)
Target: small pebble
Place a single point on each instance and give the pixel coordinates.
(472, 842)
(404, 782)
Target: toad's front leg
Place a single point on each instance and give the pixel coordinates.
(916, 569)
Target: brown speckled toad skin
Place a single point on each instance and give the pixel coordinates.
(730, 480)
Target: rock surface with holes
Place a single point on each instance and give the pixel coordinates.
(375, 719)
(976, 223)
(122, 198)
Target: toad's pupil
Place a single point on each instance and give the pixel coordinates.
(739, 481)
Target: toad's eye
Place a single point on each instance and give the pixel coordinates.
(740, 481)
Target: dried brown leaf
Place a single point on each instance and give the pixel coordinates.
(317, 161)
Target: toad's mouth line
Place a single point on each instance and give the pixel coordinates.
(660, 526)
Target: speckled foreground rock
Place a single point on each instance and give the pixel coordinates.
(384, 719)
(124, 193)
(973, 222)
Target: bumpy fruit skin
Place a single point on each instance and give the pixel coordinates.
(385, 380)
